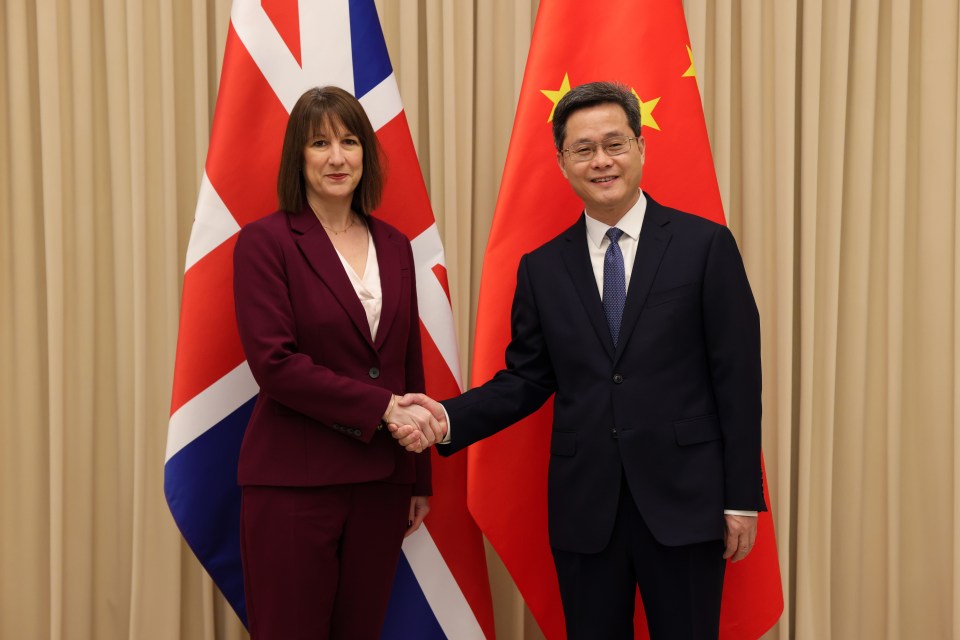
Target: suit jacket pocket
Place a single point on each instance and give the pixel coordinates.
(666, 295)
(697, 430)
(563, 443)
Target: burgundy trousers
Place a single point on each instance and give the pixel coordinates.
(318, 562)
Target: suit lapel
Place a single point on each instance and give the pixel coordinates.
(389, 257)
(651, 246)
(576, 257)
(320, 253)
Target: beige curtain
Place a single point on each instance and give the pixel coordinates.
(834, 127)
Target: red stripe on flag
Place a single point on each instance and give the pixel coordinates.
(440, 272)
(208, 346)
(405, 204)
(286, 18)
(247, 137)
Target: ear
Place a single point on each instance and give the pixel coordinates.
(560, 164)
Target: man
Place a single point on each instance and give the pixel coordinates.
(641, 320)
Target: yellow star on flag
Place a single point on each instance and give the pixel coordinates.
(556, 95)
(646, 111)
(690, 72)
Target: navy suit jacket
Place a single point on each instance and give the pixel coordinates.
(675, 406)
(324, 382)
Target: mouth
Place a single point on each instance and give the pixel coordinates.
(603, 179)
(337, 176)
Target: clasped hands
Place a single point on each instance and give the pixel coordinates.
(416, 421)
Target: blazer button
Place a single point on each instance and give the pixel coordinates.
(374, 373)
(617, 378)
(613, 432)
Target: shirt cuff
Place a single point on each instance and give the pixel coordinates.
(446, 438)
(726, 512)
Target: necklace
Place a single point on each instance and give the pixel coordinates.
(353, 218)
(344, 230)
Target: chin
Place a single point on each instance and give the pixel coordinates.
(611, 199)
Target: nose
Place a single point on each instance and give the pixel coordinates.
(336, 153)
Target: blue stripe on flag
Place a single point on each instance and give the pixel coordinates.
(409, 616)
(200, 483)
(371, 62)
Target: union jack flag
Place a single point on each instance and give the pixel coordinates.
(275, 50)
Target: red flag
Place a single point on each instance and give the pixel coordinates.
(643, 44)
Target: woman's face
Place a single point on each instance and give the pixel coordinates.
(332, 164)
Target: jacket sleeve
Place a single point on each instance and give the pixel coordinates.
(267, 327)
(516, 391)
(732, 330)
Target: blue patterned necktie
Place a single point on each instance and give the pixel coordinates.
(614, 283)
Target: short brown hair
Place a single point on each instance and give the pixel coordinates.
(336, 108)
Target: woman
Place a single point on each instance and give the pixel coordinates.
(327, 313)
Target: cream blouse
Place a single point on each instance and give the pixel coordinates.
(368, 286)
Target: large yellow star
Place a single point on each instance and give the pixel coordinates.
(690, 72)
(646, 111)
(556, 95)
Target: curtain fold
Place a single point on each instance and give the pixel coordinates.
(834, 127)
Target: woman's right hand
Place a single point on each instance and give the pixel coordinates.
(431, 430)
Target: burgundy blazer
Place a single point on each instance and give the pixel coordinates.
(324, 382)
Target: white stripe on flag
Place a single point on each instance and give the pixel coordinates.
(212, 224)
(327, 58)
(435, 311)
(441, 590)
(209, 407)
(383, 103)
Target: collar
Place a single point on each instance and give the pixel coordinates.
(630, 223)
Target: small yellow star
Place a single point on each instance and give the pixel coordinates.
(556, 95)
(690, 72)
(646, 111)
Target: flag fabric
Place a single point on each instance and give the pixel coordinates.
(276, 50)
(643, 44)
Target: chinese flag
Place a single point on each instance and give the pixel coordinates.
(644, 45)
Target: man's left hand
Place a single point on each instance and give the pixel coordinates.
(740, 536)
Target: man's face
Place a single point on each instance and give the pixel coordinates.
(608, 185)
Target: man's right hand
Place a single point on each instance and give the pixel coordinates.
(428, 403)
(418, 412)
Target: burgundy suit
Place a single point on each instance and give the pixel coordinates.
(315, 448)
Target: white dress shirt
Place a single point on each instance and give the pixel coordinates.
(597, 240)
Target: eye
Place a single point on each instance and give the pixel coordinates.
(351, 142)
(582, 150)
(319, 143)
(615, 147)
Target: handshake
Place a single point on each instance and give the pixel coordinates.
(416, 421)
